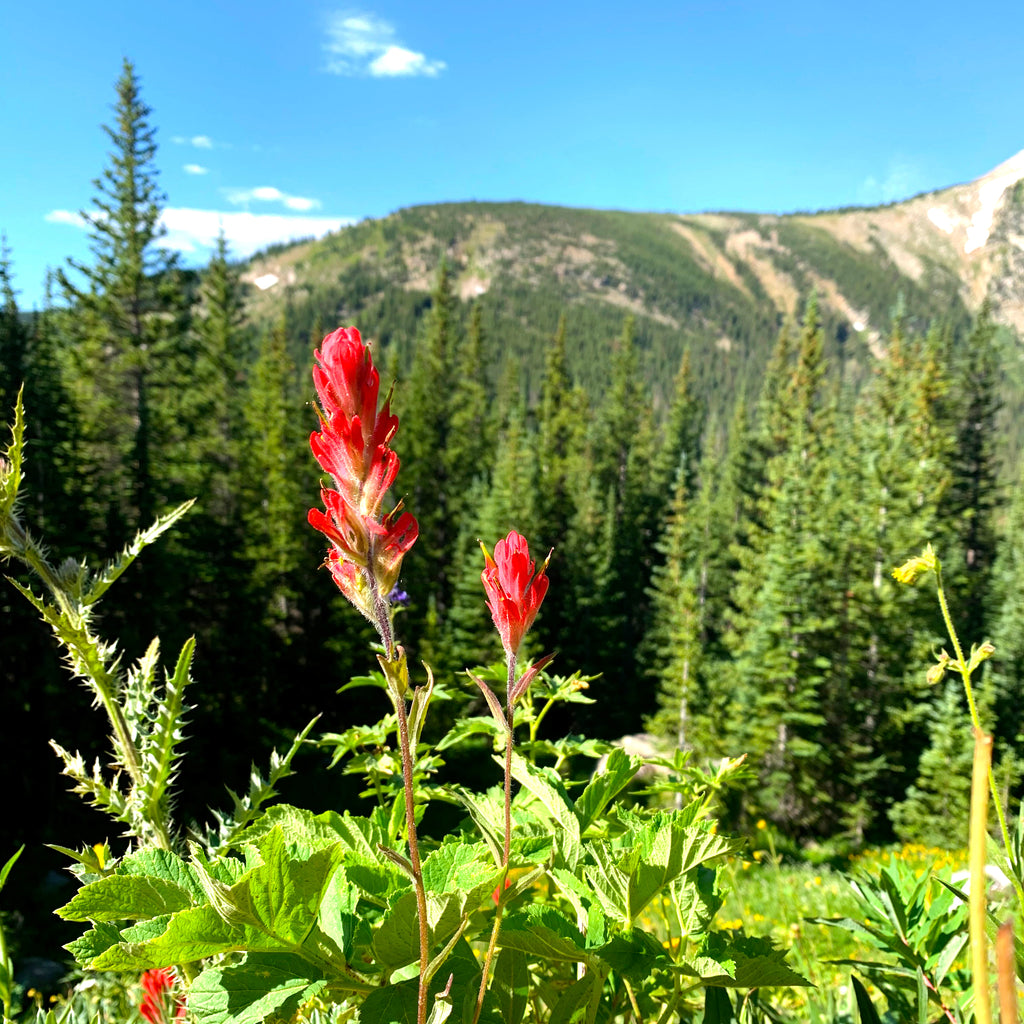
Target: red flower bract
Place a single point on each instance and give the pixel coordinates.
(158, 1001)
(514, 593)
(353, 446)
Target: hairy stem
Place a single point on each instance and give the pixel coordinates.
(414, 857)
(506, 853)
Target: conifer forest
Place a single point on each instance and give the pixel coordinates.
(723, 532)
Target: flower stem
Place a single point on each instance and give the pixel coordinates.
(414, 856)
(506, 853)
(965, 674)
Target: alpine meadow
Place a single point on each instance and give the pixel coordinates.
(565, 615)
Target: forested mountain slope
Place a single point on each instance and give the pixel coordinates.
(718, 284)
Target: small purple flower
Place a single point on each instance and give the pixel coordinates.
(398, 596)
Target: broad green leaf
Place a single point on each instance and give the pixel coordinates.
(542, 933)
(338, 913)
(604, 787)
(88, 946)
(608, 882)
(460, 867)
(396, 941)
(664, 854)
(573, 999)
(297, 825)
(146, 930)
(125, 897)
(634, 954)
(283, 896)
(166, 865)
(548, 788)
(190, 935)
(758, 964)
(510, 987)
(249, 992)
(392, 1004)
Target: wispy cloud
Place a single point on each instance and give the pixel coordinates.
(194, 232)
(195, 169)
(901, 180)
(269, 194)
(363, 44)
(197, 141)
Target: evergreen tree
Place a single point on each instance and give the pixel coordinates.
(13, 336)
(128, 318)
(974, 497)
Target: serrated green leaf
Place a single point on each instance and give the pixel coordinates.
(664, 854)
(283, 896)
(542, 933)
(548, 788)
(460, 867)
(125, 898)
(510, 988)
(634, 954)
(249, 992)
(758, 964)
(393, 1004)
(89, 946)
(396, 941)
(573, 999)
(337, 917)
(604, 787)
(167, 866)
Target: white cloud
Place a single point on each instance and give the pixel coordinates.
(269, 194)
(198, 141)
(76, 220)
(363, 44)
(195, 169)
(194, 232)
(397, 60)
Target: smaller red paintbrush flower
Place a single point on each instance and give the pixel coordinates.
(514, 591)
(159, 1004)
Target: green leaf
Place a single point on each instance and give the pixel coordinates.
(758, 964)
(6, 869)
(249, 992)
(603, 788)
(542, 933)
(393, 1004)
(125, 897)
(283, 896)
(396, 941)
(866, 1008)
(167, 866)
(460, 867)
(338, 917)
(717, 1007)
(573, 999)
(548, 788)
(510, 987)
(635, 954)
(89, 946)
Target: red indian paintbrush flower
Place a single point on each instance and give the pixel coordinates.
(353, 446)
(159, 1004)
(514, 593)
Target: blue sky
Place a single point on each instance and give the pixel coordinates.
(282, 120)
